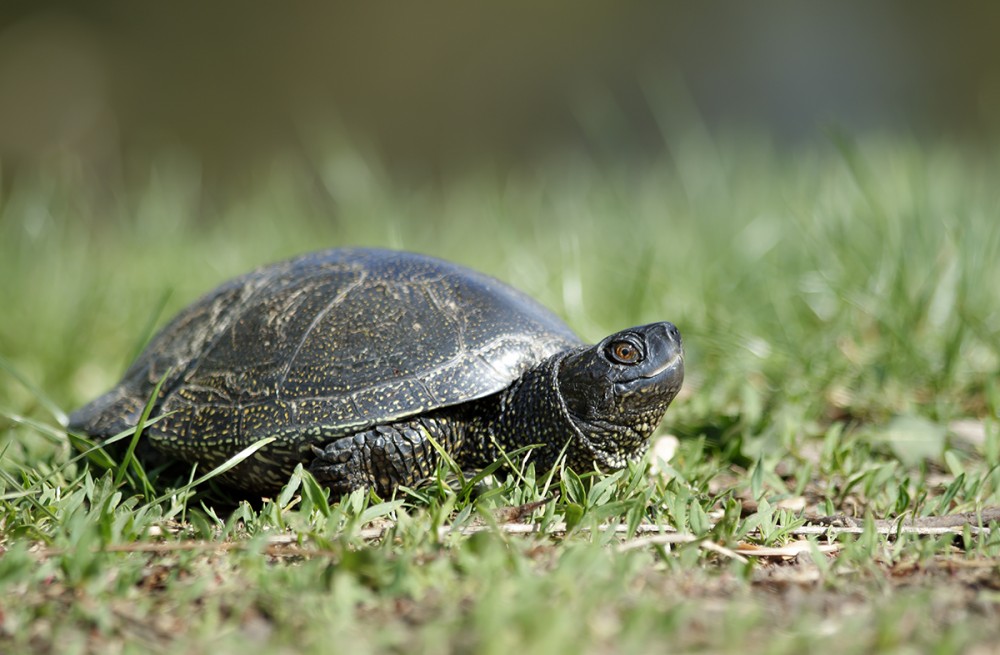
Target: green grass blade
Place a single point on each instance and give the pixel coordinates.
(43, 398)
(146, 333)
(233, 461)
(129, 460)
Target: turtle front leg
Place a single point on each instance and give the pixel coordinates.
(383, 457)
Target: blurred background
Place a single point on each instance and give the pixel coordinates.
(431, 89)
(808, 190)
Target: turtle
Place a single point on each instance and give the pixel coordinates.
(365, 364)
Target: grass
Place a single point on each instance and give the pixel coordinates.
(841, 318)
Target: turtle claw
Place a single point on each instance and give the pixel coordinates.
(340, 464)
(382, 457)
(341, 451)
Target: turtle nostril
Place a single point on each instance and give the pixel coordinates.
(673, 332)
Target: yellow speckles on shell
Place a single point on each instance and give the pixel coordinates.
(326, 345)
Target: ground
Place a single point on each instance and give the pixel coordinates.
(840, 317)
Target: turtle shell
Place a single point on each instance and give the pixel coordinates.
(329, 343)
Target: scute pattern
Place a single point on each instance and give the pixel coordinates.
(332, 342)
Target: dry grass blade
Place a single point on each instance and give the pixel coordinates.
(677, 538)
(793, 549)
(649, 534)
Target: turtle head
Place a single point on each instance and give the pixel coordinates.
(617, 391)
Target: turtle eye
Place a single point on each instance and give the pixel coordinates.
(624, 352)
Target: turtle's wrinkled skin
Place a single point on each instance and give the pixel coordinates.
(353, 358)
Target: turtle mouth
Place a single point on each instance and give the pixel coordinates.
(669, 364)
